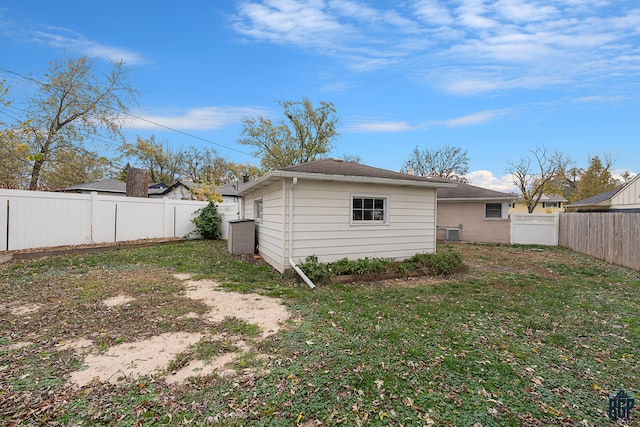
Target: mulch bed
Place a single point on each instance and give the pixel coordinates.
(34, 253)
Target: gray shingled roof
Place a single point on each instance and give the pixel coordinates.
(344, 168)
(594, 200)
(105, 185)
(232, 188)
(463, 191)
(116, 186)
(338, 170)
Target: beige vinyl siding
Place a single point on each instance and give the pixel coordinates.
(270, 229)
(323, 227)
(629, 197)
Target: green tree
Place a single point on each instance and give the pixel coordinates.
(161, 162)
(307, 134)
(4, 90)
(72, 167)
(14, 166)
(13, 152)
(205, 165)
(238, 171)
(73, 103)
(447, 162)
(596, 179)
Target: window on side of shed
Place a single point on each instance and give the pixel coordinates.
(257, 209)
(369, 209)
(493, 210)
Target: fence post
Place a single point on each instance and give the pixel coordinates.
(8, 229)
(93, 215)
(166, 214)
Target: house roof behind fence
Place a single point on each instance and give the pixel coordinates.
(105, 185)
(468, 192)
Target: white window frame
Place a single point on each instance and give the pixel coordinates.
(547, 205)
(258, 209)
(385, 209)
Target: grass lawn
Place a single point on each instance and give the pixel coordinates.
(528, 337)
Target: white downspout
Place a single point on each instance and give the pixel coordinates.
(291, 261)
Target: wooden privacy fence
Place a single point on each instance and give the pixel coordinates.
(609, 236)
(36, 219)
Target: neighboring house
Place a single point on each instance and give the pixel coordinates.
(473, 214)
(114, 187)
(335, 209)
(230, 197)
(548, 204)
(623, 199)
(229, 191)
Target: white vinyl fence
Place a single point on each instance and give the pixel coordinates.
(534, 229)
(36, 219)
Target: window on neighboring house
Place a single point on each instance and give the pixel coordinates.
(369, 210)
(257, 208)
(493, 210)
(550, 205)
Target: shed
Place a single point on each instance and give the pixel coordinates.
(335, 209)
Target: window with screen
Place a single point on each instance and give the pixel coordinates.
(368, 210)
(493, 210)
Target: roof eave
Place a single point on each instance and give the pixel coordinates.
(273, 175)
(474, 199)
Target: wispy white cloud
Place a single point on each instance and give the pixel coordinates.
(202, 118)
(526, 43)
(601, 99)
(477, 118)
(432, 12)
(381, 126)
(363, 37)
(68, 40)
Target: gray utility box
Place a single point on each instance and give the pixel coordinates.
(242, 236)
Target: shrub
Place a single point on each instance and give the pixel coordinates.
(443, 262)
(208, 222)
(439, 263)
(315, 271)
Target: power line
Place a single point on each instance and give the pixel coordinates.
(136, 117)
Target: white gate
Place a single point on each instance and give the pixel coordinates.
(534, 229)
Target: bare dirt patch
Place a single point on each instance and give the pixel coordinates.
(118, 300)
(25, 309)
(268, 313)
(200, 367)
(154, 355)
(134, 359)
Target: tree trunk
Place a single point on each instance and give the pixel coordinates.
(35, 174)
(137, 183)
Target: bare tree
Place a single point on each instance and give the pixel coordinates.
(533, 174)
(447, 162)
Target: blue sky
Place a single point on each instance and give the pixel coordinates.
(497, 78)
